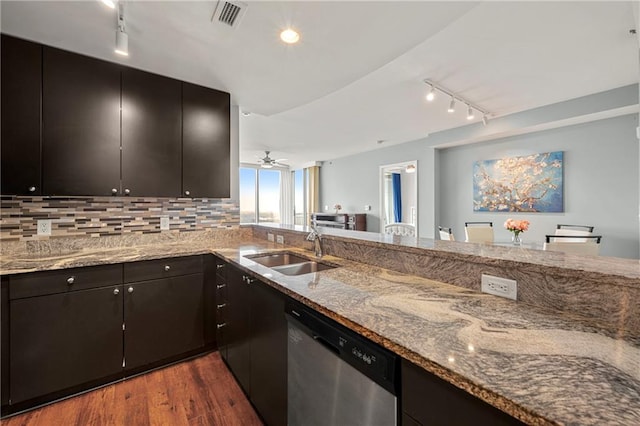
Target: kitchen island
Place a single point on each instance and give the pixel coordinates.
(531, 362)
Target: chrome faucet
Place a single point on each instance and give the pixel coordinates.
(315, 236)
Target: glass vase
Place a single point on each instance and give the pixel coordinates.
(515, 239)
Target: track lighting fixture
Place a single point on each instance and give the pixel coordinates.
(122, 39)
(452, 105)
(431, 95)
(470, 115)
(471, 108)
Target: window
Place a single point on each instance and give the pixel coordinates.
(259, 195)
(298, 198)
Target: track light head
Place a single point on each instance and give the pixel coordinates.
(432, 94)
(470, 115)
(122, 39)
(452, 105)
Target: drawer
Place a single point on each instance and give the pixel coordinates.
(221, 271)
(63, 280)
(162, 268)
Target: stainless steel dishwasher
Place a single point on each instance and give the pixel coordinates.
(336, 377)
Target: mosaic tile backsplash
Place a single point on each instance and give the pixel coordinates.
(101, 216)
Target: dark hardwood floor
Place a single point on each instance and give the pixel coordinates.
(197, 392)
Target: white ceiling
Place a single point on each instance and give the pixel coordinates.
(356, 75)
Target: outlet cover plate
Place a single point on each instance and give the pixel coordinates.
(44, 227)
(280, 239)
(164, 223)
(502, 287)
(270, 236)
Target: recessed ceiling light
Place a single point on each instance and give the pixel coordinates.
(289, 36)
(110, 3)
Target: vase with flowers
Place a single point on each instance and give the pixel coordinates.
(517, 227)
(337, 208)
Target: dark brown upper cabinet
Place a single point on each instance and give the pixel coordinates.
(205, 142)
(151, 134)
(21, 95)
(81, 125)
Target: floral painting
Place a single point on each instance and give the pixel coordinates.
(532, 183)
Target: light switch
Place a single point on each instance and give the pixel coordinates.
(164, 223)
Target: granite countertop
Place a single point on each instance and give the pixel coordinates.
(534, 364)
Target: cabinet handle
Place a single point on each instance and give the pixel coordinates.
(222, 305)
(167, 267)
(130, 289)
(116, 291)
(71, 280)
(32, 189)
(219, 326)
(187, 193)
(127, 191)
(250, 280)
(114, 191)
(220, 266)
(219, 286)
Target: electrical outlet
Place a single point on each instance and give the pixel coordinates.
(280, 239)
(502, 287)
(44, 227)
(367, 207)
(164, 223)
(270, 236)
(326, 208)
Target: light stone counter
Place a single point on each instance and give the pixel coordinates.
(533, 363)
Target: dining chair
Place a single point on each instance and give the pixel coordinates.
(446, 234)
(566, 244)
(574, 230)
(478, 232)
(404, 229)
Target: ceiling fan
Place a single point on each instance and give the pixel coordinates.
(267, 162)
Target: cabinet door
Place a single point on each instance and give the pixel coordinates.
(21, 94)
(429, 400)
(239, 328)
(268, 354)
(151, 134)
(81, 124)
(163, 319)
(209, 301)
(205, 141)
(63, 340)
(222, 307)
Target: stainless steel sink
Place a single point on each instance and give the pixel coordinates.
(302, 268)
(277, 259)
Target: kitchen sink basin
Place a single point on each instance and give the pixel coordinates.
(302, 268)
(277, 259)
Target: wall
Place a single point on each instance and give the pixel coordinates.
(354, 182)
(600, 182)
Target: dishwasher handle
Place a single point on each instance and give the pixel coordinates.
(324, 342)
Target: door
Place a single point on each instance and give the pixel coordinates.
(238, 327)
(81, 125)
(205, 142)
(151, 135)
(268, 354)
(63, 340)
(163, 319)
(21, 93)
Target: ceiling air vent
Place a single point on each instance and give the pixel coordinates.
(229, 13)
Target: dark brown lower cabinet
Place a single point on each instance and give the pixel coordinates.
(429, 400)
(163, 319)
(62, 340)
(255, 343)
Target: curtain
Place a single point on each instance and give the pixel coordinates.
(286, 197)
(397, 197)
(312, 191)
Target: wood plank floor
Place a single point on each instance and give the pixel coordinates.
(197, 392)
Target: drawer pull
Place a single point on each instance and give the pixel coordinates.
(130, 289)
(222, 305)
(167, 267)
(116, 291)
(71, 280)
(32, 189)
(220, 266)
(219, 326)
(219, 286)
